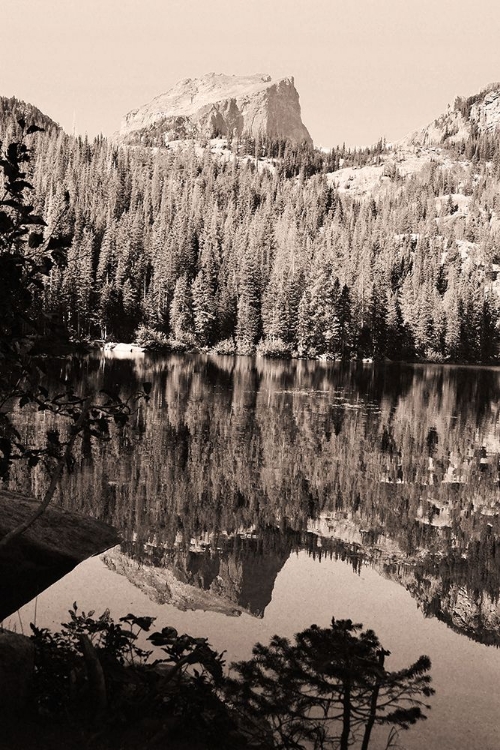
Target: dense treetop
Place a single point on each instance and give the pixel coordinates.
(255, 246)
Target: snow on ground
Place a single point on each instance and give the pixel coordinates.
(462, 202)
(402, 162)
(357, 180)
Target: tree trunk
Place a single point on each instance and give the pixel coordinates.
(346, 718)
(373, 704)
(97, 682)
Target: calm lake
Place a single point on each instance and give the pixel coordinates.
(257, 497)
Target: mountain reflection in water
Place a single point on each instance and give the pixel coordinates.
(236, 463)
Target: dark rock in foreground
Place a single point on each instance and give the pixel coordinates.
(17, 662)
(56, 542)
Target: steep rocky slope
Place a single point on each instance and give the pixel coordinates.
(438, 144)
(439, 580)
(163, 586)
(218, 104)
(480, 113)
(222, 573)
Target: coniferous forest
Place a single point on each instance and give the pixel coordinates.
(255, 249)
(214, 469)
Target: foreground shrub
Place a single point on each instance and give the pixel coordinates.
(245, 347)
(326, 688)
(95, 669)
(150, 338)
(432, 356)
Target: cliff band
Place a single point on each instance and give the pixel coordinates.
(219, 105)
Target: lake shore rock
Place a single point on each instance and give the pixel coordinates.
(49, 549)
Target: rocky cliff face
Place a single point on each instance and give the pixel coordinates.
(475, 614)
(219, 105)
(433, 145)
(161, 585)
(442, 585)
(228, 574)
(479, 113)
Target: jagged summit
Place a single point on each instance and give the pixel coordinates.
(451, 138)
(219, 104)
(479, 112)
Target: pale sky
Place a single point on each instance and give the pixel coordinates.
(363, 68)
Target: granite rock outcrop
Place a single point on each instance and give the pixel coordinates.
(219, 105)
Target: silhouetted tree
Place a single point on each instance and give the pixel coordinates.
(327, 688)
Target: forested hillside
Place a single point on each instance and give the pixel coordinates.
(249, 244)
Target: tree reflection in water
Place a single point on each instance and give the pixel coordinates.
(238, 461)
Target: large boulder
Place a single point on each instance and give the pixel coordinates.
(50, 548)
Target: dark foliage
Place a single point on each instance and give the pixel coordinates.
(29, 253)
(328, 688)
(94, 672)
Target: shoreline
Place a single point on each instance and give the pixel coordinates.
(176, 347)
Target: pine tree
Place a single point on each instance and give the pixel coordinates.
(275, 311)
(181, 311)
(248, 326)
(203, 308)
(327, 688)
(266, 245)
(306, 331)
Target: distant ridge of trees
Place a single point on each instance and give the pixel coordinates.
(181, 244)
(13, 109)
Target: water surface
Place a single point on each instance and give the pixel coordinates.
(257, 497)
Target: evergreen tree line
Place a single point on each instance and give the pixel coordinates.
(184, 245)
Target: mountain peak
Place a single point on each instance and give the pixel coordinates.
(477, 113)
(219, 104)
